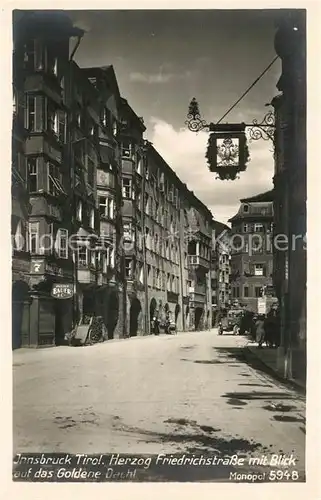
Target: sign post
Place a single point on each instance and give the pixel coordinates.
(261, 305)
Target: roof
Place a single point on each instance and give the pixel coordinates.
(139, 120)
(266, 197)
(263, 197)
(108, 73)
(219, 227)
(196, 201)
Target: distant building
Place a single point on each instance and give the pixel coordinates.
(251, 250)
(220, 268)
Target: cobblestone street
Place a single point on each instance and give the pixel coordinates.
(193, 393)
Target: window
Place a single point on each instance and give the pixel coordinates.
(127, 231)
(62, 243)
(126, 149)
(245, 228)
(104, 117)
(79, 211)
(32, 175)
(18, 239)
(29, 55)
(127, 188)
(59, 125)
(14, 103)
(54, 180)
(91, 165)
(83, 256)
(112, 257)
(103, 257)
(258, 228)
(128, 268)
(34, 237)
(106, 206)
(92, 218)
(139, 164)
(52, 63)
(245, 208)
(92, 258)
(35, 56)
(246, 291)
(30, 121)
(258, 270)
(90, 171)
(258, 291)
(91, 129)
(141, 274)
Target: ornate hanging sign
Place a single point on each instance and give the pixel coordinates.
(227, 152)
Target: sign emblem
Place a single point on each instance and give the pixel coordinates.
(62, 291)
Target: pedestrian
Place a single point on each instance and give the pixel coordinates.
(260, 332)
(269, 328)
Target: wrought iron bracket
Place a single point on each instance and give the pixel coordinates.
(263, 130)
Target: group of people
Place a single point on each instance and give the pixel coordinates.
(169, 325)
(263, 328)
(267, 329)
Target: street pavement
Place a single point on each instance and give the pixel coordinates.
(194, 392)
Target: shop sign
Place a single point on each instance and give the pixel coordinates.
(261, 305)
(62, 290)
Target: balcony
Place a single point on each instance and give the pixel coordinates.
(197, 261)
(86, 276)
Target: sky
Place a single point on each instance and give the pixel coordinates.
(163, 58)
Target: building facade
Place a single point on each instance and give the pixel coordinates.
(95, 206)
(251, 250)
(40, 62)
(290, 194)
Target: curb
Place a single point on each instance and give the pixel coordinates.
(294, 384)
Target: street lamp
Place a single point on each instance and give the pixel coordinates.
(227, 150)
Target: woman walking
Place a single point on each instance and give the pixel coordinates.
(260, 332)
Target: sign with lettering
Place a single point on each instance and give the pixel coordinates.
(261, 305)
(62, 290)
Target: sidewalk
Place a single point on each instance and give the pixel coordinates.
(269, 358)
